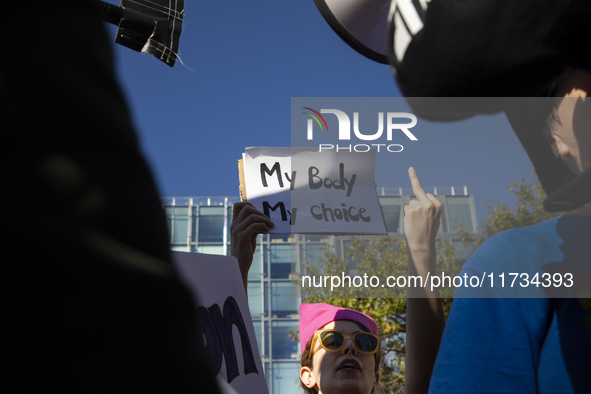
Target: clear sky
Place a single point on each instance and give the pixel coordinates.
(244, 61)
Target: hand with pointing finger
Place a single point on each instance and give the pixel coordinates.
(247, 223)
(421, 218)
(424, 311)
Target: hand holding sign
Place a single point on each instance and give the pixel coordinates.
(247, 223)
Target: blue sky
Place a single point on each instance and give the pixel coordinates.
(244, 61)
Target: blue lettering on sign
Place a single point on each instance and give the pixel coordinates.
(217, 329)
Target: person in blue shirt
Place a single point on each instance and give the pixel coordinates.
(515, 339)
(528, 336)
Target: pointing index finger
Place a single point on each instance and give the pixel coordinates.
(416, 185)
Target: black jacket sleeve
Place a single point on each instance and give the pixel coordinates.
(493, 48)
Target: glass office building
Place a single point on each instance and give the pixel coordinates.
(203, 225)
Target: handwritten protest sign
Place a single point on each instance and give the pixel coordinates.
(303, 190)
(224, 321)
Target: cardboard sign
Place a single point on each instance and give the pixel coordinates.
(303, 190)
(224, 321)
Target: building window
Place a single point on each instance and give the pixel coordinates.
(313, 252)
(211, 249)
(459, 212)
(211, 224)
(283, 303)
(258, 330)
(280, 261)
(256, 268)
(392, 208)
(177, 219)
(255, 302)
(283, 346)
(286, 378)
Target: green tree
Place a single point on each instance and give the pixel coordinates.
(528, 210)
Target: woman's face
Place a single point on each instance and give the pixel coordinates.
(343, 371)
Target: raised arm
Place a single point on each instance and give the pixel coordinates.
(247, 223)
(424, 311)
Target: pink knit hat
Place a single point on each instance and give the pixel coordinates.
(315, 316)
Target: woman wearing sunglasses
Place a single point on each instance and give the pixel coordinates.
(340, 350)
(340, 347)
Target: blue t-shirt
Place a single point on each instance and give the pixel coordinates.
(516, 340)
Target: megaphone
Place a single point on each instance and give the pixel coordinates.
(378, 29)
(360, 23)
(450, 49)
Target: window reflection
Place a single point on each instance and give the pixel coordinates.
(280, 261)
(282, 302)
(459, 213)
(391, 208)
(283, 346)
(211, 224)
(286, 377)
(254, 299)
